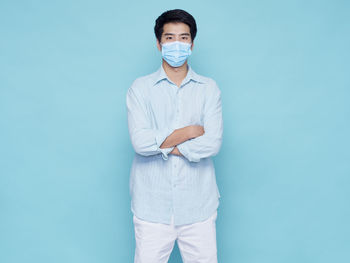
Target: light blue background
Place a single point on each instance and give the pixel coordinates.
(283, 171)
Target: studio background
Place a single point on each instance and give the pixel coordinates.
(65, 155)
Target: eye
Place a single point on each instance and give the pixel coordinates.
(168, 37)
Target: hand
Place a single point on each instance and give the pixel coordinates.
(175, 151)
(195, 131)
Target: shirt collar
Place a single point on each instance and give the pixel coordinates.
(191, 75)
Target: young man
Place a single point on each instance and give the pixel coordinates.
(175, 125)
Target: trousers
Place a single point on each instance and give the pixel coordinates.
(155, 241)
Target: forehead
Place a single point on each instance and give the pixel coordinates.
(176, 28)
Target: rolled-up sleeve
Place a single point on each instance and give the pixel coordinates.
(145, 140)
(210, 142)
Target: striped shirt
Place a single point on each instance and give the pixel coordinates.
(163, 185)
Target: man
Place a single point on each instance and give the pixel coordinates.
(175, 125)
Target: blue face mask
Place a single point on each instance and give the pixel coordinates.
(176, 53)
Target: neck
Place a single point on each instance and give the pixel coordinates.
(177, 74)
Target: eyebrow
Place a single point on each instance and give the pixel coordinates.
(172, 34)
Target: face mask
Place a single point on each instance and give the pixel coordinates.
(176, 53)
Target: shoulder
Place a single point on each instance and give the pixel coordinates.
(204, 80)
(210, 84)
(142, 83)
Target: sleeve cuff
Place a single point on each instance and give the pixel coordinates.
(160, 138)
(165, 152)
(182, 147)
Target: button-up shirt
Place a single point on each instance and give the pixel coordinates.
(163, 185)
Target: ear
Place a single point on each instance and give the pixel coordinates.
(159, 46)
(192, 45)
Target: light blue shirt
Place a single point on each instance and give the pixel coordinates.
(163, 184)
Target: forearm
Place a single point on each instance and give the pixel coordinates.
(181, 135)
(178, 136)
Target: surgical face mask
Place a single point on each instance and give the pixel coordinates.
(176, 53)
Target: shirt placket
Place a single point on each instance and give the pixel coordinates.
(175, 161)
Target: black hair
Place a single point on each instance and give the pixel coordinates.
(175, 16)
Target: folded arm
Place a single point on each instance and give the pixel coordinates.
(146, 141)
(210, 142)
(181, 135)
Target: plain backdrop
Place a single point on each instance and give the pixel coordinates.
(65, 155)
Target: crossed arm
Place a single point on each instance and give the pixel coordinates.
(181, 135)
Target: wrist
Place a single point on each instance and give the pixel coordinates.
(176, 151)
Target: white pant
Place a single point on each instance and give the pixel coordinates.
(155, 241)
